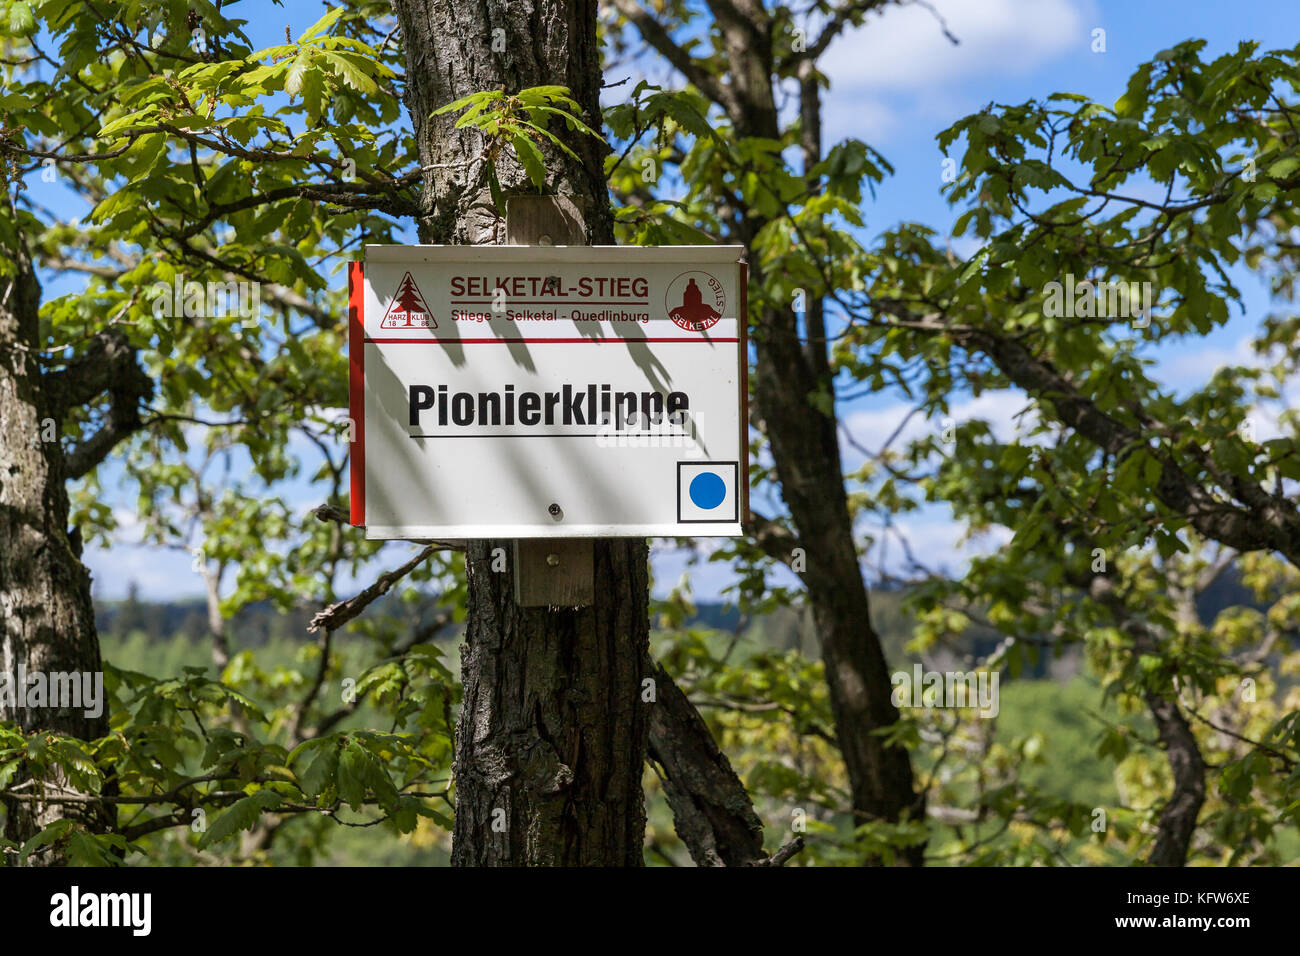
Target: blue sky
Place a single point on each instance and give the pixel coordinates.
(895, 84)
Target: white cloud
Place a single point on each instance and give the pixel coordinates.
(1003, 409)
(1193, 367)
(868, 120)
(935, 540)
(905, 48)
(899, 67)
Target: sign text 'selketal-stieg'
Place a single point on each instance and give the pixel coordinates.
(548, 391)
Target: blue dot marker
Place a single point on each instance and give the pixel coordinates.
(707, 490)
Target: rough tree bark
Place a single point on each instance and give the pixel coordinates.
(46, 617)
(551, 742)
(712, 812)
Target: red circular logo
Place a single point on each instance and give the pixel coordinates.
(695, 301)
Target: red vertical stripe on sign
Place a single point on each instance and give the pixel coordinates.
(357, 389)
(743, 333)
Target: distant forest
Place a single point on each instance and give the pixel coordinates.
(260, 624)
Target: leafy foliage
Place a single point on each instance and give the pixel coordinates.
(199, 162)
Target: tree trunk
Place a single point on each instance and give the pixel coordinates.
(807, 458)
(47, 619)
(552, 734)
(789, 372)
(551, 741)
(1177, 823)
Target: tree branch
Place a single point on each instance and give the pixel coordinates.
(712, 811)
(653, 33)
(1177, 821)
(340, 612)
(853, 13)
(108, 365)
(1266, 523)
(776, 541)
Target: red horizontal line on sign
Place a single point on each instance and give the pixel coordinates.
(509, 301)
(575, 341)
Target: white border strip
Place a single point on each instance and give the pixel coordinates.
(467, 531)
(627, 256)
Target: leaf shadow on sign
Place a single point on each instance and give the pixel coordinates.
(645, 359)
(384, 386)
(653, 369)
(382, 499)
(456, 351)
(517, 478)
(656, 374)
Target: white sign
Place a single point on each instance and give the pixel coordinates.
(548, 391)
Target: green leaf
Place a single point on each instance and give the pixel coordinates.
(320, 774)
(7, 771)
(1283, 168)
(22, 22)
(359, 772)
(321, 25)
(494, 187)
(297, 69)
(530, 157)
(85, 849)
(465, 101)
(345, 65)
(240, 815)
(51, 834)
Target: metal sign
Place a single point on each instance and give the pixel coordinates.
(548, 391)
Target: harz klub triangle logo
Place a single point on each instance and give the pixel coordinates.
(408, 309)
